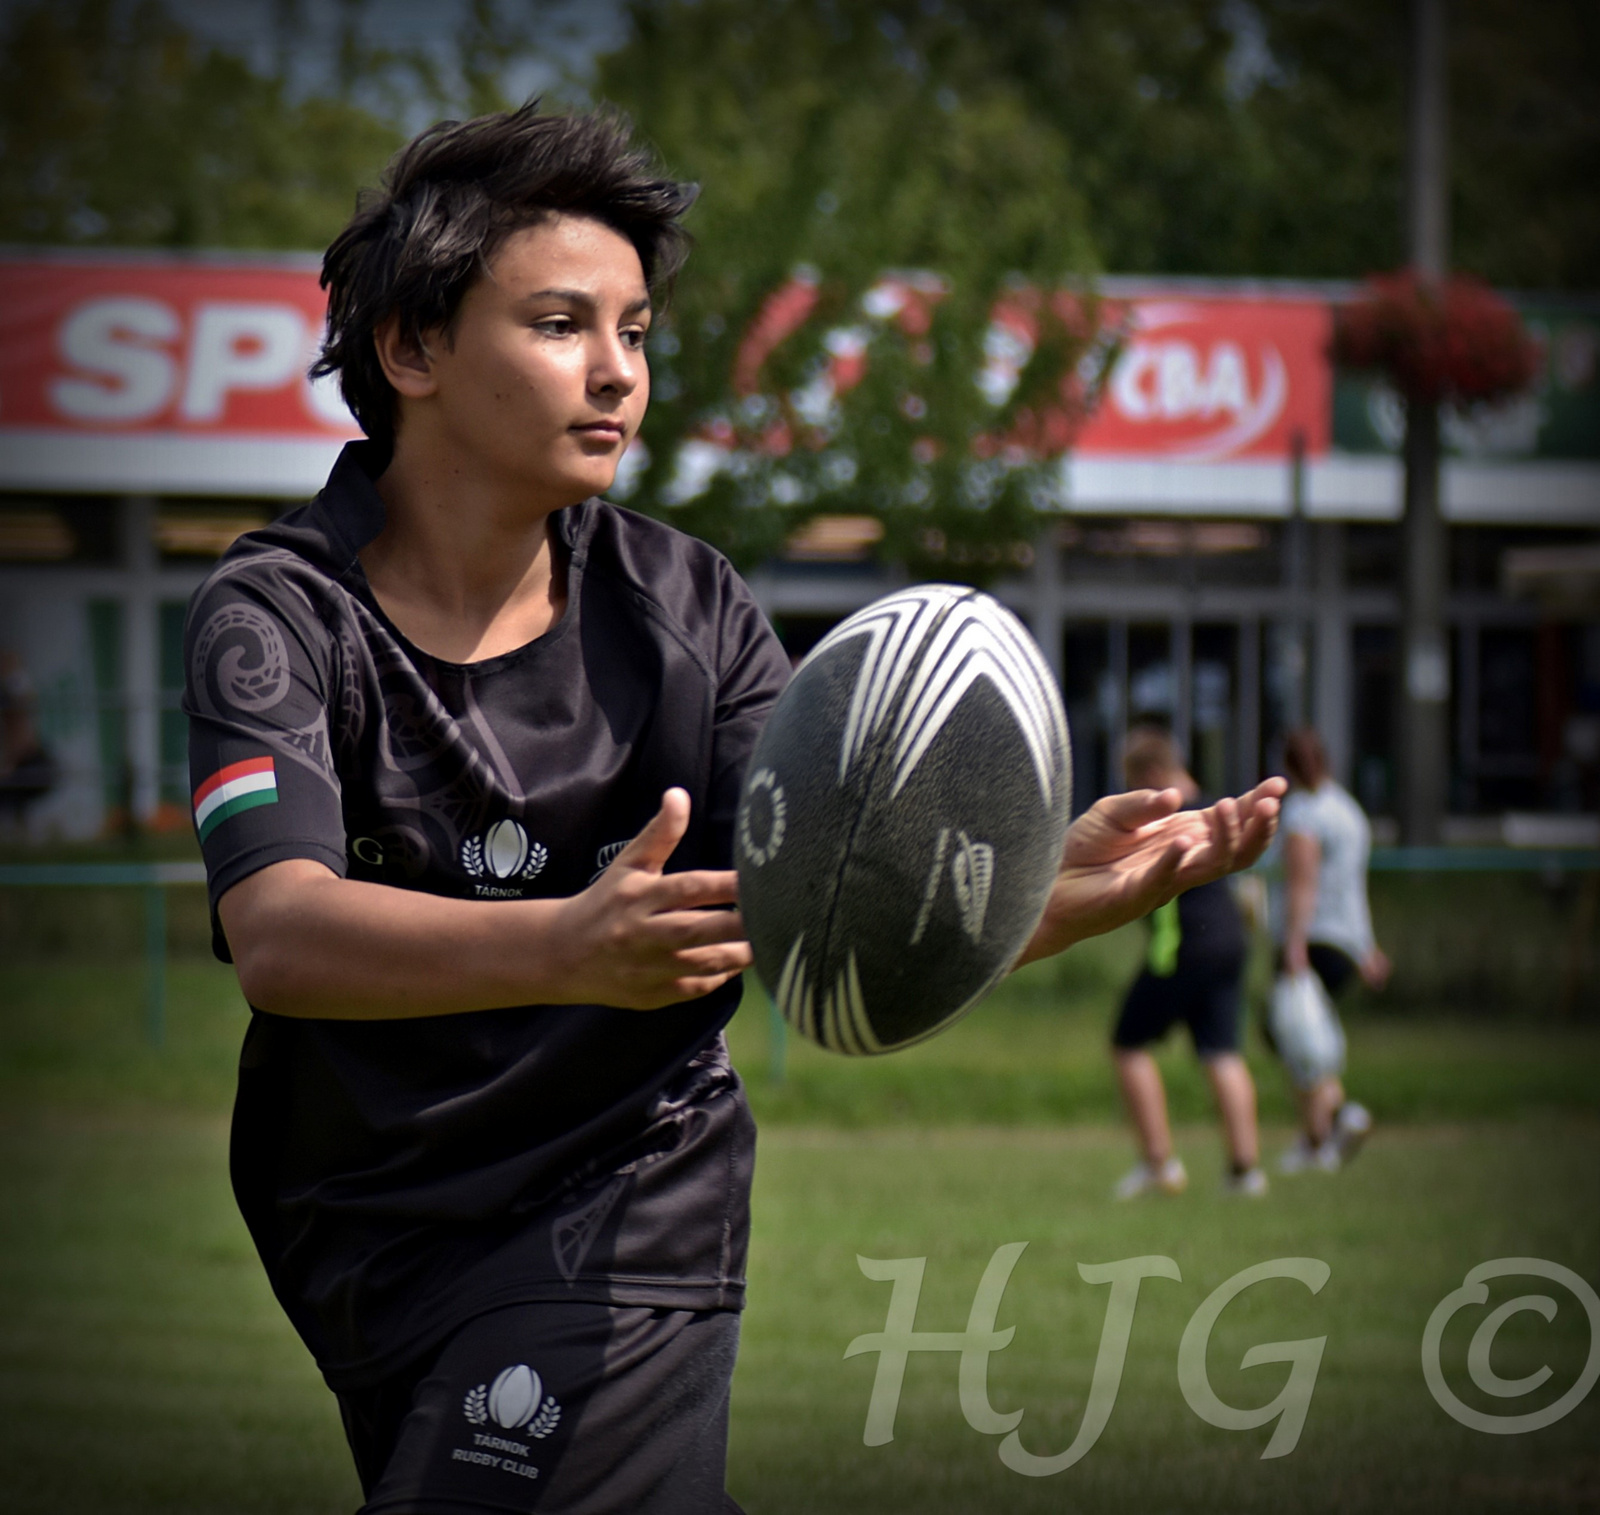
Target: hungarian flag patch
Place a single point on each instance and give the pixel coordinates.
(239, 786)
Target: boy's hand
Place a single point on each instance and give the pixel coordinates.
(1130, 853)
(640, 938)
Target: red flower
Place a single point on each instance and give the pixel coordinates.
(1452, 341)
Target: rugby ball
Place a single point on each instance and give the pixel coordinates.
(902, 819)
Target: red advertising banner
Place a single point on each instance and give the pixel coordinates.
(208, 348)
(188, 375)
(1205, 379)
(182, 348)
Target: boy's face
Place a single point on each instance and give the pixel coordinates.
(543, 380)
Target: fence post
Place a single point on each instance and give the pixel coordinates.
(155, 964)
(778, 1042)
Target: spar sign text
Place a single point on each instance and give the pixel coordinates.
(176, 347)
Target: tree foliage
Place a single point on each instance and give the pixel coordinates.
(1000, 146)
(118, 128)
(826, 143)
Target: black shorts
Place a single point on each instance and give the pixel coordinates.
(554, 1407)
(1334, 966)
(1206, 999)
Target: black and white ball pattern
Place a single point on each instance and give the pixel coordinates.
(902, 818)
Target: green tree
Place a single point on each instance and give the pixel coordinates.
(118, 128)
(829, 145)
(982, 141)
(1267, 137)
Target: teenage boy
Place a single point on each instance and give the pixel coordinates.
(469, 743)
(1193, 973)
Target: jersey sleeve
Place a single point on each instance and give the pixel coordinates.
(259, 667)
(752, 670)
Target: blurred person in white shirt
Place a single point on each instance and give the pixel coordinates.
(1323, 923)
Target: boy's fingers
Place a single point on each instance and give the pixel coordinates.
(1139, 807)
(695, 988)
(652, 847)
(1228, 827)
(690, 891)
(699, 928)
(725, 958)
(1166, 868)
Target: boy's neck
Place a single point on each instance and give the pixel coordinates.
(465, 565)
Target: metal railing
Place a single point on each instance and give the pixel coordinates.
(154, 879)
(1484, 860)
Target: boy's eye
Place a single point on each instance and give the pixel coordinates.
(556, 326)
(635, 336)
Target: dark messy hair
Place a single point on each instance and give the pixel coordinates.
(450, 197)
(1305, 759)
(1149, 756)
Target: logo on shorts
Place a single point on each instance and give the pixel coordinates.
(504, 852)
(512, 1402)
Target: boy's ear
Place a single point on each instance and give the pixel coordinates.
(406, 362)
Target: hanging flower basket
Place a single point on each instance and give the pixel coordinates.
(1454, 342)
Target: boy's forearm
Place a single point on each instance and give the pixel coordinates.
(310, 944)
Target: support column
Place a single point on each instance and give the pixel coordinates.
(1425, 653)
(1180, 646)
(1117, 728)
(1425, 658)
(141, 656)
(1049, 625)
(1292, 650)
(1331, 710)
(1249, 713)
(1468, 698)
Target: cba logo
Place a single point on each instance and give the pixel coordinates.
(512, 1403)
(503, 852)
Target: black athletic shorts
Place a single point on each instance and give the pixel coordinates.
(1334, 966)
(563, 1407)
(1206, 999)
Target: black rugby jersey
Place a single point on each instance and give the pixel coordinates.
(401, 1176)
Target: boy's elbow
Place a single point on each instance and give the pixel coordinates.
(268, 977)
(264, 919)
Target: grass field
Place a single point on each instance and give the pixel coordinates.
(144, 1366)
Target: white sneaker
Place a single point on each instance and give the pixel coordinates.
(1303, 1157)
(1171, 1177)
(1352, 1125)
(1252, 1183)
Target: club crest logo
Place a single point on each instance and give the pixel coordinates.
(504, 852)
(512, 1402)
